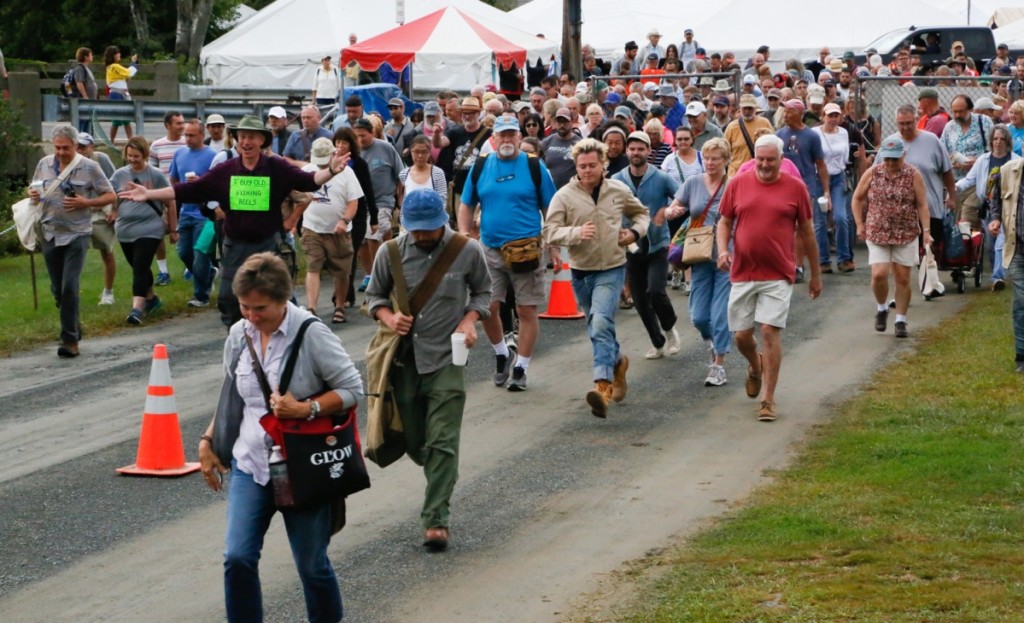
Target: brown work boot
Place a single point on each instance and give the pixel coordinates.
(67, 350)
(599, 397)
(619, 385)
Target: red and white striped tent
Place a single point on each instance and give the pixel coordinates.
(453, 41)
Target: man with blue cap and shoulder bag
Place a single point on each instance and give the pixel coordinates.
(446, 274)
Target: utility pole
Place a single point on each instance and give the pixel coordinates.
(572, 28)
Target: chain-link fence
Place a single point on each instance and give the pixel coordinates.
(882, 95)
(733, 79)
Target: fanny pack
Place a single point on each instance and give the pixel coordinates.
(523, 255)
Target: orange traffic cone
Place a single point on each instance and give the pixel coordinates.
(161, 452)
(562, 302)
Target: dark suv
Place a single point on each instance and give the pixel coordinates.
(933, 43)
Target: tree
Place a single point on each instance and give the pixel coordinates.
(193, 22)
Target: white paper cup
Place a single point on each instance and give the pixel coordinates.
(36, 185)
(460, 353)
(823, 204)
(191, 175)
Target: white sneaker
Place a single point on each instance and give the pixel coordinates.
(672, 343)
(677, 279)
(655, 353)
(686, 288)
(107, 299)
(716, 376)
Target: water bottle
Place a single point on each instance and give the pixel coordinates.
(279, 479)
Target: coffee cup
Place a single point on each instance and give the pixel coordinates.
(37, 186)
(191, 175)
(460, 352)
(823, 204)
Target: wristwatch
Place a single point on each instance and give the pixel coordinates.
(314, 409)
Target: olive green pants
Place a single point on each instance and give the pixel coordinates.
(431, 406)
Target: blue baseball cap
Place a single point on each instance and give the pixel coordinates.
(892, 147)
(506, 123)
(423, 210)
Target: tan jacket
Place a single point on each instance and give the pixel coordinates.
(573, 206)
(1009, 188)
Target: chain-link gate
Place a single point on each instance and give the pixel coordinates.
(882, 95)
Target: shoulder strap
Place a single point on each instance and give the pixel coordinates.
(476, 141)
(289, 366)
(981, 130)
(746, 136)
(398, 276)
(703, 215)
(293, 356)
(534, 165)
(474, 174)
(426, 287)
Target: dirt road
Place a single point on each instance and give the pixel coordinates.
(550, 499)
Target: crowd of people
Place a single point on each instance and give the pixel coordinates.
(636, 187)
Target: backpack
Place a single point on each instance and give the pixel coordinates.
(67, 83)
(532, 162)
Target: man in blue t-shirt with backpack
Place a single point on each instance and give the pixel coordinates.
(513, 191)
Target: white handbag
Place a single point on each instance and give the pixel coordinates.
(928, 275)
(27, 212)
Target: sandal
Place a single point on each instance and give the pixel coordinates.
(339, 316)
(626, 302)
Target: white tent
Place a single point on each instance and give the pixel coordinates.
(973, 12)
(609, 24)
(1012, 35)
(1004, 16)
(800, 27)
(282, 45)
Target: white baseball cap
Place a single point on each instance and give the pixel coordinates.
(278, 112)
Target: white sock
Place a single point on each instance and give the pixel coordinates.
(500, 349)
(901, 317)
(523, 362)
(162, 265)
(883, 307)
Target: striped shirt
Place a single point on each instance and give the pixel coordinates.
(161, 153)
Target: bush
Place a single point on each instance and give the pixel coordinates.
(13, 146)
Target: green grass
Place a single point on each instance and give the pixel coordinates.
(907, 507)
(26, 327)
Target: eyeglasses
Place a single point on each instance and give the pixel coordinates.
(533, 125)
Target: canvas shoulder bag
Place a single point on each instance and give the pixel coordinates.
(27, 213)
(323, 454)
(700, 239)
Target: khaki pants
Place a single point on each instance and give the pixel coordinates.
(967, 204)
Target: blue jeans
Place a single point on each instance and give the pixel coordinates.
(841, 219)
(598, 294)
(189, 228)
(250, 508)
(64, 264)
(1016, 273)
(709, 304)
(994, 250)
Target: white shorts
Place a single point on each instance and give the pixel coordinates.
(766, 302)
(902, 254)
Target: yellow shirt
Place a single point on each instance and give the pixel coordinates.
(117, 72)
(733, 134)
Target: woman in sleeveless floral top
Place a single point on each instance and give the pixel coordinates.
(891, 211)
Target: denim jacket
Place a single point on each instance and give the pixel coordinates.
(656, 192)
